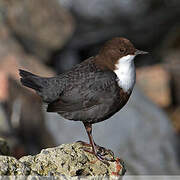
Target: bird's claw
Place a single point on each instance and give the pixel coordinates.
(100, 156)
(101, 150)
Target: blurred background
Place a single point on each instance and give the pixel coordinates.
(49, 37)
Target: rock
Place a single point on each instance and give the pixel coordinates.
(11, 166)
(154, 81)
(70, 160)
(20, 108)
(41, 26)
(4, 148)
(97, 20)
(67, 160)
(23, 61)
(13, 56)
(140, 133)
(23, 108)
(7, 42)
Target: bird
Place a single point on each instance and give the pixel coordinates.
(93, 90)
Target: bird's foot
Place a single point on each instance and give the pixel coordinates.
(103, 151)
(100, 154)
(100, 150)
(100, 157)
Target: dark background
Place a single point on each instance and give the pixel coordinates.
(49, 37)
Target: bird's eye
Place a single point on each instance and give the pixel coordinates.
(122, 50)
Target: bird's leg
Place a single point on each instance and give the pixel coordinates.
(88, 128)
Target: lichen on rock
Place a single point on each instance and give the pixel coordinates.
(66, 160)
(9, 166)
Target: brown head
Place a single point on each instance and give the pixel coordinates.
(113, 50)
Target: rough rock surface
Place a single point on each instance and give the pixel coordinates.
(10, 166)
(68, 160)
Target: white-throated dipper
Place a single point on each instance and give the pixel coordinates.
(93, 90)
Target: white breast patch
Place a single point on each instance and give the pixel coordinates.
(125, 71)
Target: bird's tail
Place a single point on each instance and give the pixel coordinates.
(46, 87)
(31, 80)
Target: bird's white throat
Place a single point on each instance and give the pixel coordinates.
(125, 71)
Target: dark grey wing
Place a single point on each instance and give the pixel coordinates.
(86, 94)
(51, 89)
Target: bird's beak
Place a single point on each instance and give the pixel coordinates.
(140, 52)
